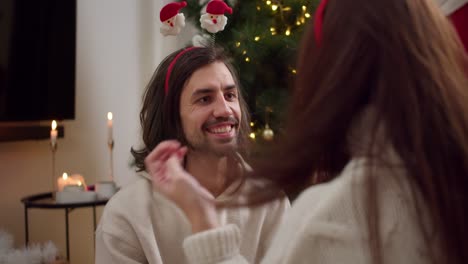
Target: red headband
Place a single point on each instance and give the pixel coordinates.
(318, 22)
(171, 66)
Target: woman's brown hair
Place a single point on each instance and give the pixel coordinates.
(403, 58)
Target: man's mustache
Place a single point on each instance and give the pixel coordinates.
(230, 119)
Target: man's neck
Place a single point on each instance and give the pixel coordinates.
(209, 170)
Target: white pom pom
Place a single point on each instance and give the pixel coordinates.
(6, 242)
(34, 254)
(49, 252)
(201, 40)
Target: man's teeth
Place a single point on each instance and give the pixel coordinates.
(221, 130)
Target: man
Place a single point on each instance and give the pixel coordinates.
(194, 98)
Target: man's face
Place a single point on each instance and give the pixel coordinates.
(210, 110)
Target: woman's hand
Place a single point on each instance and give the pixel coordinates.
(164, 164)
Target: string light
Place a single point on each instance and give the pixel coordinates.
(288, 32)
(244, 52)
(247, 59)
(274, 7)
(238, 44)
(268, 2)
(252, 124)
(307, 15)
(257, 38)
(252, 135)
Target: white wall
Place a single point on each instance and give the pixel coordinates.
(118, 48)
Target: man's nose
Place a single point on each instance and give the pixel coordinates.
(222, 107)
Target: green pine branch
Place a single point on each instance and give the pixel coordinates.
(265, 61)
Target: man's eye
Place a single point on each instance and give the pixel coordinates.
(204, 100)
(231, 96)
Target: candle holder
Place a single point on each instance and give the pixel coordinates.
(53, 149)
(110, 144)
(105, 189)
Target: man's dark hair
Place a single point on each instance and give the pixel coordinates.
(160, 113)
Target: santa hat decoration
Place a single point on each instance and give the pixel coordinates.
(218, 7)
(171, 10)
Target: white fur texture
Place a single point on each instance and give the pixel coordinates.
(207, 22)
(34, 254)
(201, 40)
(179, 23)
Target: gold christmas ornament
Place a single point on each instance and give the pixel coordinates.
(268, 133)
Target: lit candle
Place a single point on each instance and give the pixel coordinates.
(63, 181)
(109, 126)
(53, 133)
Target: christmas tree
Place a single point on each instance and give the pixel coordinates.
(262, 36)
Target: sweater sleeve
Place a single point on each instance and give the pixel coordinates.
(275, 216)
(111, 249)
(220, 245)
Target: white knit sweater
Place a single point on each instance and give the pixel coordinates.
(327, 223)
(141, 226)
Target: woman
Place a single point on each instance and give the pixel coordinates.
(379, 116)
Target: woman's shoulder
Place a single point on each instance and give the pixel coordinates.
(336, 213)
(347, 195)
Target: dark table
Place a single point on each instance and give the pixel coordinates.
(46, 201)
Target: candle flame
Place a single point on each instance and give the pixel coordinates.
(54, 124)
(109, 116)
(65, 176)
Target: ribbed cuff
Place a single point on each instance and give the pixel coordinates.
(213, 246)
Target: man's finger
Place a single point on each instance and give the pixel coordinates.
(163, 150)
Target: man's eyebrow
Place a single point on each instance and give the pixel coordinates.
(230, 87)
(203, 91)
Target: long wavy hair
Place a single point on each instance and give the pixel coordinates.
(403, 58)
(160, 113)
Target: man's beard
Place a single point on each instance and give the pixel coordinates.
(219, 150)
(222, 147)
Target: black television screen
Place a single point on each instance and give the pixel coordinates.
(37, 59)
